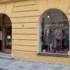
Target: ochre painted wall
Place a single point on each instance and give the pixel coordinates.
(25, 16)
(25, 23)
(25, 43)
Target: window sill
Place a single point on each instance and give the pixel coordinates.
(53, 54)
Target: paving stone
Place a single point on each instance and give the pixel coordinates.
(8, 63)
(2, 69)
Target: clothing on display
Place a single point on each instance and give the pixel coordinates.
(55, 40)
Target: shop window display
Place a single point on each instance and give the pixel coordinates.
(54, 32)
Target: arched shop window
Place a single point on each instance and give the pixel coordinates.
(54, 35)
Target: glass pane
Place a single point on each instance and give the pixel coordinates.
(55, 32)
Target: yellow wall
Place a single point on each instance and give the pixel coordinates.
(25, 17)
(25, 23)
(26, 26)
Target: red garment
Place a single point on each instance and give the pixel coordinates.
(58, 34)
(58, 44)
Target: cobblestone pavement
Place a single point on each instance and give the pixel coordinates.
(7, 63)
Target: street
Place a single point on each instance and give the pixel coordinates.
(8, 63)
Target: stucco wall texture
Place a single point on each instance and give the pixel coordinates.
(25, 18)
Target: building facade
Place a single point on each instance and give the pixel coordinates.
(36, 30)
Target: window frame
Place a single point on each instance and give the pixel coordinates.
(40, 43)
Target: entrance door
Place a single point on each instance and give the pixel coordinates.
(0, 40)
(5, 33)
(1, 21)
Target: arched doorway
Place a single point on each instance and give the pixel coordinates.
(54, 32)
(5, 33)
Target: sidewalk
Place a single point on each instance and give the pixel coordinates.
(7, 63)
